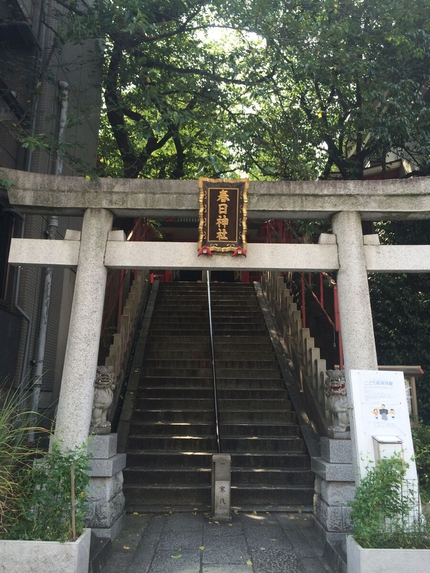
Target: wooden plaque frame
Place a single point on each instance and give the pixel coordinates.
(223, 209)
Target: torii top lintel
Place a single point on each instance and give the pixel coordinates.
(374, 200)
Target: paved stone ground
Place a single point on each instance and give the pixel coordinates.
(254, 542)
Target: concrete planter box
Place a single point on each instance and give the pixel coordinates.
(362, 560)
(46, 556)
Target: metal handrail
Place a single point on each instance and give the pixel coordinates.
(211, 336)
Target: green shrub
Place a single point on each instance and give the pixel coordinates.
(35, 486)
(385, 512)
(16, 454)
(421, 438)
(46, 509)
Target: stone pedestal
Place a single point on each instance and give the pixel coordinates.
(334, 489)
(221, 487)
(105, 498)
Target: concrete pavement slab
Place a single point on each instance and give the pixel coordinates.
(225, 550)
(187, 561)
(275, 560)
(192, 542)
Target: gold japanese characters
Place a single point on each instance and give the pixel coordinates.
(223, 212)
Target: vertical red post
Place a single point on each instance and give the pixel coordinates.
(321, 290)
(302, 278)
(111, 301)
(120, 289)
(338, 326)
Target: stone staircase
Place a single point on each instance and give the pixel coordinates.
(172, 433)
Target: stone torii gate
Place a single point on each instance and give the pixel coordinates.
(97, 248)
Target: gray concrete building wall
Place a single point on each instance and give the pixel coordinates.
(30, 71)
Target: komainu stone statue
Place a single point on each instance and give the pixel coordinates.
(335, 391)
(103, 397)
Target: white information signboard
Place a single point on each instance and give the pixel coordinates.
(381, 418)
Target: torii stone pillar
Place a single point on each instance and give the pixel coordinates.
(80, 363)
(353, 289)
(358, 338)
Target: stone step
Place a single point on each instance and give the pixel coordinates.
(202, 476)
(257, 417)
(229, 343)
(208, 429)
(251, 383)
(239, 340)
(216, 289)
(173, 443)
(181, 372)
(203, 353)
(204, 383)
(225, 406)
(256, 460)
(178, 416)
(151, 372)
(140, 497)
(235, 373)
(147, 476)
(259, 431)
(239, 328)
(264, 395)
(245, 444)
(177, 363)
(174, 382)
(174, 404)
(217, 311)
(221, 364)
(193, 317)
(268, 476)
(272, 495)
(252, 405)
(188, 354)
(196, 299)
(178, 393)
(185, 329)
(161, 459)
(192, 416)
(207, 393)
(164, 342)
(207, 443)
(169, 460)
(227, 352)
(175, 428)
(180, 330)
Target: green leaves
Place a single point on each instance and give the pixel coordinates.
(384, 511)
(45, 506)
(16, 455)
(275, 89)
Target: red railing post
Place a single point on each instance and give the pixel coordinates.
(338, 326)
(302, 278)
(120, 292)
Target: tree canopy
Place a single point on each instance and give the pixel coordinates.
(289, 89)
(350, 84)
